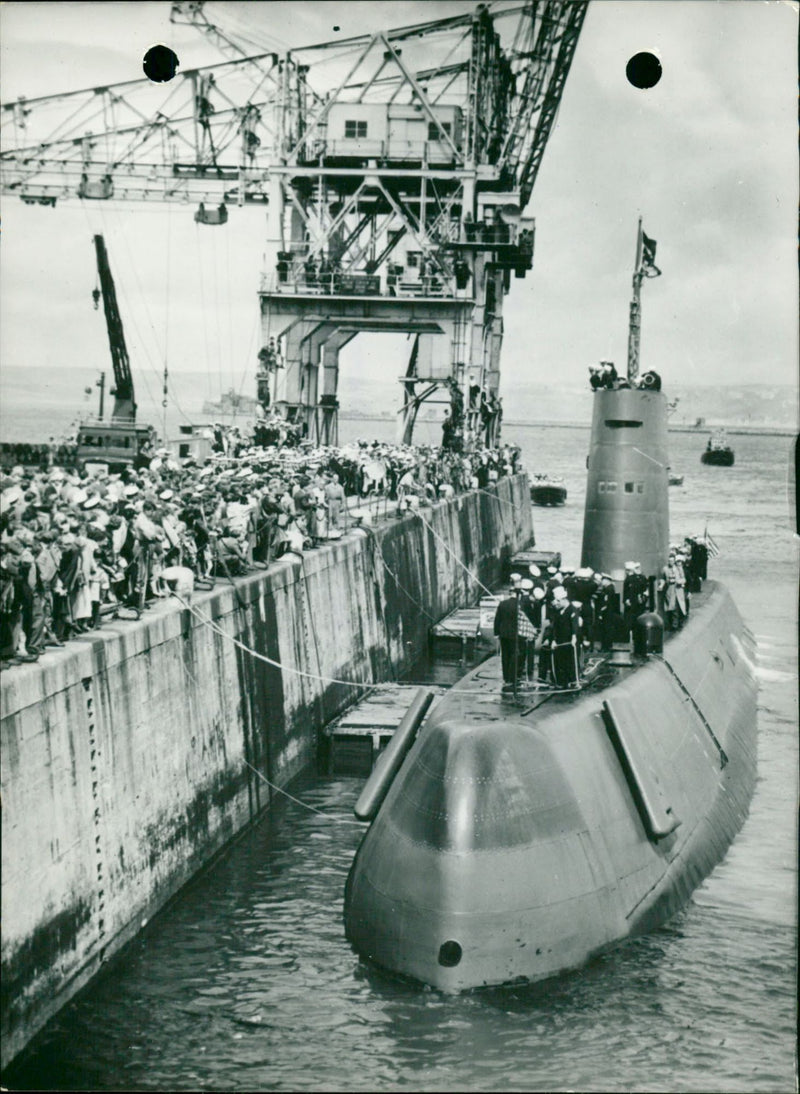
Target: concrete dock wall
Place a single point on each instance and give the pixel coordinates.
(132, 756)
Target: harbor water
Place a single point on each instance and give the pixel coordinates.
(246, 981)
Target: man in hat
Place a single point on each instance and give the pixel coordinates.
(581, 588)
(606, 610)
(65, 584)
(506, 628)
(526, 629)
(683, 563)
(335, 498)
(32, 602)
(635, 594)
(563, 640)
(554, 581)
(47, 562)
(10, 600)
(671, 587)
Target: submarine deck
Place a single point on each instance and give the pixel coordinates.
(484, 685)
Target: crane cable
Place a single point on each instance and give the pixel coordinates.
(215, 284)
(152, 358)
(166, 323)
(203, 308)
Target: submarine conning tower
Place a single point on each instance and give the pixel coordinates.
(627, 501)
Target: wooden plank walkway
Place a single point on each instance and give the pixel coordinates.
(462, 624)
(356, 738)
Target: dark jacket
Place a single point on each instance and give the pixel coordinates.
(635, 593)
(505, 618)
(606, 601)
(563, 625)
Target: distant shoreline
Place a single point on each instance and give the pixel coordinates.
(508, 424)
(734, 430)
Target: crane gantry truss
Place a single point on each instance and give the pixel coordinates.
(394, 169)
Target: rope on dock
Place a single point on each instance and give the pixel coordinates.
(208, 622)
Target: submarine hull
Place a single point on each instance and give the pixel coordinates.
(516, 842)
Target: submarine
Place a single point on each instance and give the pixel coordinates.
(514, 836)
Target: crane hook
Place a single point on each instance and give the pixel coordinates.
(96, 297)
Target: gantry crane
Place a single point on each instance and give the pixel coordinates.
(395, 169)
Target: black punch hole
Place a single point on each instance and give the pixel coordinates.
(449, 954)
(643, 70)
(160, 64)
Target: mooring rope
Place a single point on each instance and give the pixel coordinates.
(208, 622)
(403, 589)
(503, 501)
(305, 805)
(366, 684)
(455, 556)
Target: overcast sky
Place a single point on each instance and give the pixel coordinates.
(708, 157)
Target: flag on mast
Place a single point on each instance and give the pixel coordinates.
(711, 544)
(649, 267)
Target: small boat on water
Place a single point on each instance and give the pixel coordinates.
(547, 490)
(675, 480)
(718, 452)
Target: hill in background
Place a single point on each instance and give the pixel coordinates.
(746, 404)
(37, 402)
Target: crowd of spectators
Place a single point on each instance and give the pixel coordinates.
(13, 453)
(80, 546)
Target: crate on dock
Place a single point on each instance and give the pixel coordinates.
(458, 630)
(355, 753)
(523, 560)
(488, 609)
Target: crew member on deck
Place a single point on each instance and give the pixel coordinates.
(671, 586)
(526, 629)
(635, 594)
(554, 581)
(562, 636)
(606, 609)
(505, 628)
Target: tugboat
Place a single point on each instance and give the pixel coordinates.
(517, 833)
(546, 490)
(718, 451)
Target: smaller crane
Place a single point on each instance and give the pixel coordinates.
(120, 441)
(124, 401)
